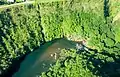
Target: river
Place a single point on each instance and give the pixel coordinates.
(41, 59)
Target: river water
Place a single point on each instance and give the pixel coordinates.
(41, 59)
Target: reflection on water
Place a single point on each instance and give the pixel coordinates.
(42, 58)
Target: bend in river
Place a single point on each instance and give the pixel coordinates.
(40, 60)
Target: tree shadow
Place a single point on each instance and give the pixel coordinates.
(6, 19)
(15, 65)
(3, 2)
(103, 67)
(106, 8)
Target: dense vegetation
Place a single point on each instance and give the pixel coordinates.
(52, 20)
(25, 27)
(73, 63)
(2, 2)
(20, 32)
(70, 64)
(101, 34)
(98, 30)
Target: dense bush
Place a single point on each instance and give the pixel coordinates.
(83, 64)
(20, 32)
(2, 2)
(88, 23)
(69, 64)
(51, 20)
(25, 27)
(69, 20)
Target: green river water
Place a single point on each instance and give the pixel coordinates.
(40, 60)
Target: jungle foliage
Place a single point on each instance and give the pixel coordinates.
(73, 63)
(97, 28)
(70, 64)
(25, 27)
(52, 20)
(71, 20)
(3, 2)
(20, 32)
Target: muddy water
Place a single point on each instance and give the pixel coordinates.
(41, 59)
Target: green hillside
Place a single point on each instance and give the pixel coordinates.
(26, 27)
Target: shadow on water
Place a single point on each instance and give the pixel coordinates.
(39, 60)
(16, 63)
(14, 66)
(32, 64)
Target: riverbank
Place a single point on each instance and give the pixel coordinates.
(42, 58)
(23, 28)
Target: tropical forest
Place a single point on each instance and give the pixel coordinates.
(59, 38)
